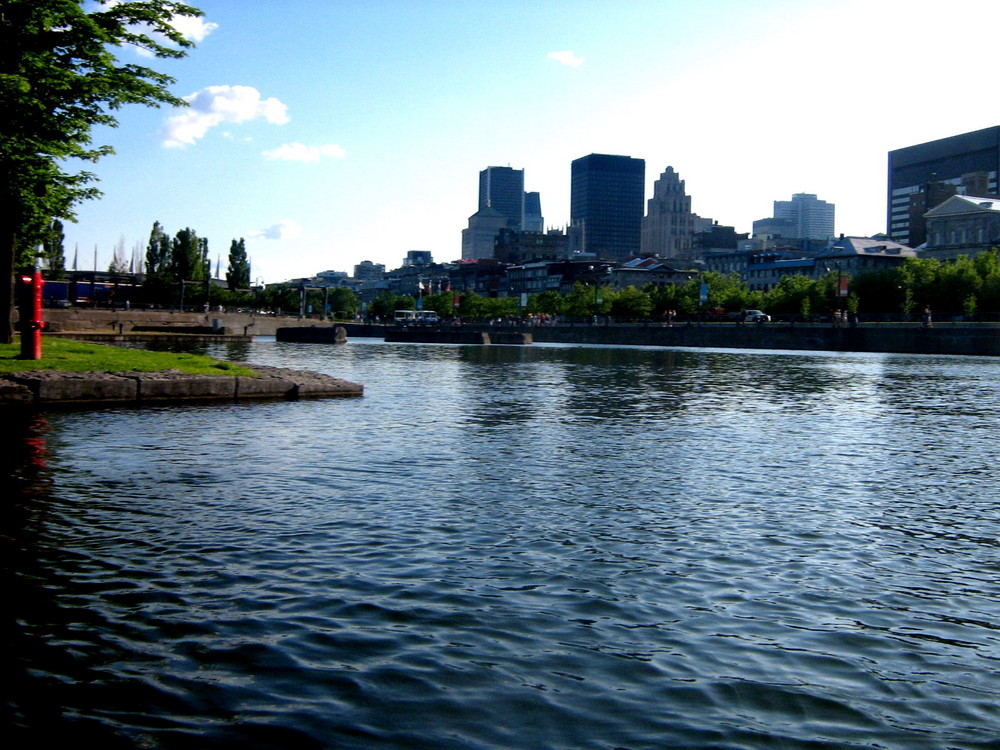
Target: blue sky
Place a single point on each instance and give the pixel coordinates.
(330, 132)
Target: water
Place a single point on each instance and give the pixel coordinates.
(501, 547)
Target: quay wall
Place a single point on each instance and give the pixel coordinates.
(945, 338)
(981, 339)
(912, 339)
(63, 320)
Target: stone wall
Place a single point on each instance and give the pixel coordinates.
(914, 339)
(125, 321)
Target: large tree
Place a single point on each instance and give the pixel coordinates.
(158, 253)
(238, 273)
(189, 256)
(59, 77)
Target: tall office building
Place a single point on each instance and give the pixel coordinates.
(533, 220)
(479, 239)
(668, 227)
(808, 217)
(502, 189)
(606, 197)
(924, 176)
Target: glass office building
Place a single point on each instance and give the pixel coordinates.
(606, 204)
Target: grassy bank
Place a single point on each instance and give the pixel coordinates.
(80, 356)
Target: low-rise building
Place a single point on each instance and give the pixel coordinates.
(485, 276)
(857, 255)
(555, 276)
(962, 225)
(641, 272)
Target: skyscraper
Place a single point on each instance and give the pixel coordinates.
(809, 217)
(533, 220)
(925, 175)
(668, 227)
(502, 189)
(606, 197)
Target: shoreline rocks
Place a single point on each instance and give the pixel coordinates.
(52, 387)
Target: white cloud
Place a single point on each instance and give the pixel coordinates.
(301, 152)
(287, 229)
(193, 27)
(218, 104)
(566, 58)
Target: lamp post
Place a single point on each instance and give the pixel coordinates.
(840, 289)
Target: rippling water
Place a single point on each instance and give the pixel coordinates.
(501, 547)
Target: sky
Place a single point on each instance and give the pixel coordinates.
(328, 132)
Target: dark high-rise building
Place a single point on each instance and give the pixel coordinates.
(502, 189)
(606, 203)
(533, 220)
(923, 176)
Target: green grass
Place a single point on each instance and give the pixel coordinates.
(81, 356)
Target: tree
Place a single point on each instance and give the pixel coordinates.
(988, 268)
(386, 303)
(53, 252)
(159, 280)
(443, 303)
(119, 264)
(59, 77)
(549, 302)
(586, 300)
(157, 252)
(238, 273)
(666, 298)
(343, 302)
(880, 291)
(792, 295)
(631, 303)
(187, 256)
(956, 282)
(919, 277)
(727, 291)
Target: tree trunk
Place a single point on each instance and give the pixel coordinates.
(8, 249)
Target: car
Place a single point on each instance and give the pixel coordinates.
(755, 316)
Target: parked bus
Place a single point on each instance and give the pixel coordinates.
(410, 317)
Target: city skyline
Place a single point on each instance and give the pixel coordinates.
(324, 153)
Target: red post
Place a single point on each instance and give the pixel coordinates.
(30, 297)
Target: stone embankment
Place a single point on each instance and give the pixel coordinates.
(53, 388)
(976, 339)
(69, 321)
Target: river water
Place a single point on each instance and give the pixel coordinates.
(503, 547)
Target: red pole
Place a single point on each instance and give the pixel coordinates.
(31, 314)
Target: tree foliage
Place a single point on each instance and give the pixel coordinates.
(238, 272)
(158, 253)
(189, 257)
(443, 303)
(53, 251)
(631, 303)
(59, 77)
(385, 303)
(548, 302)
(342, 302)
